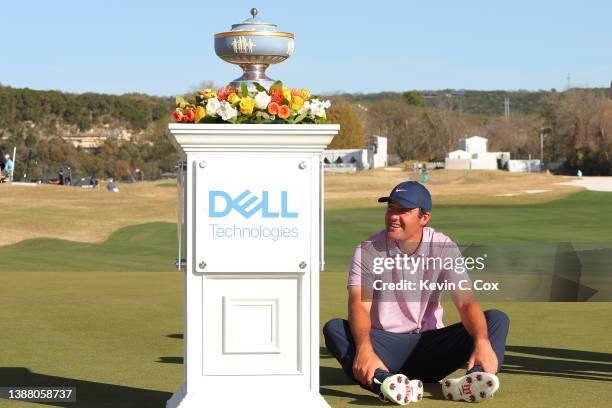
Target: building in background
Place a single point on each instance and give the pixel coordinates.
(473, 145)
(353, 160)
(473, 155)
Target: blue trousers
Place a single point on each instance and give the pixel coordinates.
(429, 356)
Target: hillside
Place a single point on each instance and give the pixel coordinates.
(123, 136)
(490, 103)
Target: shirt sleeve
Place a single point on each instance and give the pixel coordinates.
(360, 271)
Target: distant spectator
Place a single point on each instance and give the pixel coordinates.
(110, 186)
(579, 173)
(424, 175)
(8, 166)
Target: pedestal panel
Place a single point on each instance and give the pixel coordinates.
(251, 326)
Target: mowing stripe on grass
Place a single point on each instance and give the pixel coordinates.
(143, 248)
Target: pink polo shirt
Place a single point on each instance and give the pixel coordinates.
(416, 307)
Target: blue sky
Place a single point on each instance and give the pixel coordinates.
(166, 48)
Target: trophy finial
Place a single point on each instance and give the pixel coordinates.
(254, 12)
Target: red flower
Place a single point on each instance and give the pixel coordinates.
(283, 111)
(189, 115)
(223, 93)
(273, 108)
(177, 115)
(277, 95)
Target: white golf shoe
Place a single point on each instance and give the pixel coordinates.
(473, 387)
(399, 389)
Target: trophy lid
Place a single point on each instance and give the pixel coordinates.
(254, 24)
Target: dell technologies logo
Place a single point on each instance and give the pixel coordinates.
(246, 207)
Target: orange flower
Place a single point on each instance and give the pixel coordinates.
(283, 111)
(273, 108)
(189, 115)
(177, 115)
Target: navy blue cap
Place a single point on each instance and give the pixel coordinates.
(410, 194)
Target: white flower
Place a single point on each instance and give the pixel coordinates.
(227, 111)
(304, 108)
(316, 108)
(262, 99)
(212, 107)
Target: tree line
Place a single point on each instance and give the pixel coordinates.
(575, 126)
(37, 123)
(420, 125)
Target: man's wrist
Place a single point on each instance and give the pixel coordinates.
(364, 348)
(481, 341)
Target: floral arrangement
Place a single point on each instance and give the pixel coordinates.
(276, 105)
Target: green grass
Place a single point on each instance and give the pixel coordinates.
(579, 218)
(73, 313)
(117, 337)
(167, 185)
(143, 248)
(556, 357)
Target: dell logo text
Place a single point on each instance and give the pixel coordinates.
(247, 204)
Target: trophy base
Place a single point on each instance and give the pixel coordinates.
(266, 83)
(253, 73)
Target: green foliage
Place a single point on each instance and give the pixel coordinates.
(351, 133)
(33, 121)
(414, 99)
(490, 103)
(83, 110)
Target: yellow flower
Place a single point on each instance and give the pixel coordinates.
(305, 94)
(200, 113)
(287, 93)
(233, 99)
(209, 93)
(296, 103)
(246, 105)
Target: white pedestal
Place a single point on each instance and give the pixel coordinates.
(252, 244)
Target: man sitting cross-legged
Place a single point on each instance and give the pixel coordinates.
(394, 338)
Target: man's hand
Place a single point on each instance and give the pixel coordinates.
(365, 364)
(484, 356)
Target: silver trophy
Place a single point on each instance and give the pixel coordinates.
(254, 45)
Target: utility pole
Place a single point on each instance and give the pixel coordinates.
(543, 132)
(13, 169)
(507, 108)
